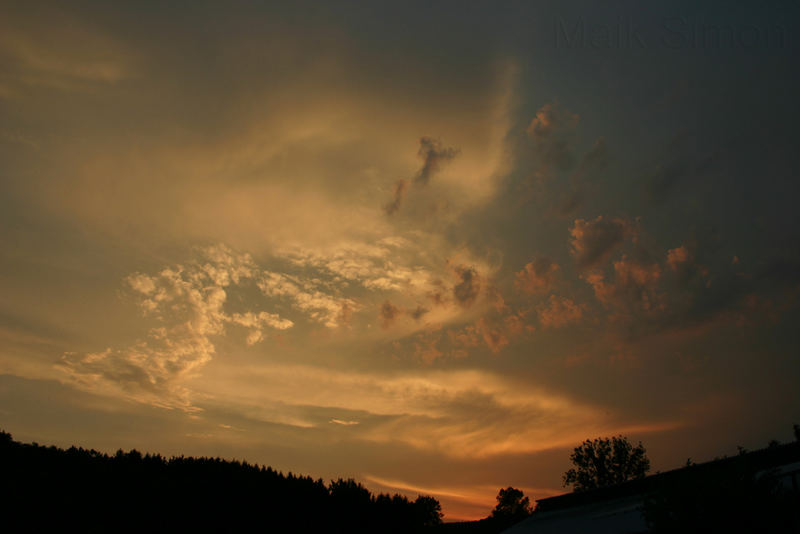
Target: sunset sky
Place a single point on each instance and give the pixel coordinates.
(429, 245)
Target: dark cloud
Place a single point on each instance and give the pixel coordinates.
(780, 273)
(572, 203)
(551, 131)
(556, 167)
(418, 312)
(634, 287)
(673, 292)
(710, 295)
(593, 241)
(592, 163)
(433, 156)
(663, 179)
(398, 195)
(683, 165)
(388, 313)
(466, 291)
(438, 296)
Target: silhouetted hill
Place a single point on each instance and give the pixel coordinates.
(48, 489)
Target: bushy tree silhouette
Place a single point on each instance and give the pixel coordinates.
(427, 511)
(604, 462)
(512, 507)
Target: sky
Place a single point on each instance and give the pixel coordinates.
(431, 246)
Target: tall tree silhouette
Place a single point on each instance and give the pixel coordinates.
(512, 507)
(604, 462)
(428, 511)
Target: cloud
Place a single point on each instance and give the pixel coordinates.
(188, 302)
(418, 312)
(412, 273)
(388, 313)
(467, 289)
(256, 321)
(494, 331)
(595, 240)
(151, 370)
(672, 294)
(633, 289)
(677, 257)
(551, 132)
(390, 264)
(683, 163)
(559, 311)
(494, 337)
(537, 276)
(433, 156)
(142, 283)
(465, 413)
(426, 345)
(595, 160)
(343, 422)
(398, 194)
(320, 306)
(57, 51)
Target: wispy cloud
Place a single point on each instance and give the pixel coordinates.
(59, 52)
(461, 414)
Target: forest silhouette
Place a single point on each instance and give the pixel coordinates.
(49, 489)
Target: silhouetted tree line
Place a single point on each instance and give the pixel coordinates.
(49, 489)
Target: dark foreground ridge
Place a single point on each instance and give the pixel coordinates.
(752, 492)
(48, 489)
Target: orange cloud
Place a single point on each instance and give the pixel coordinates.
(633, 287)
(537, 276)
(494, 337)
(559, 311)
(677, 256)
